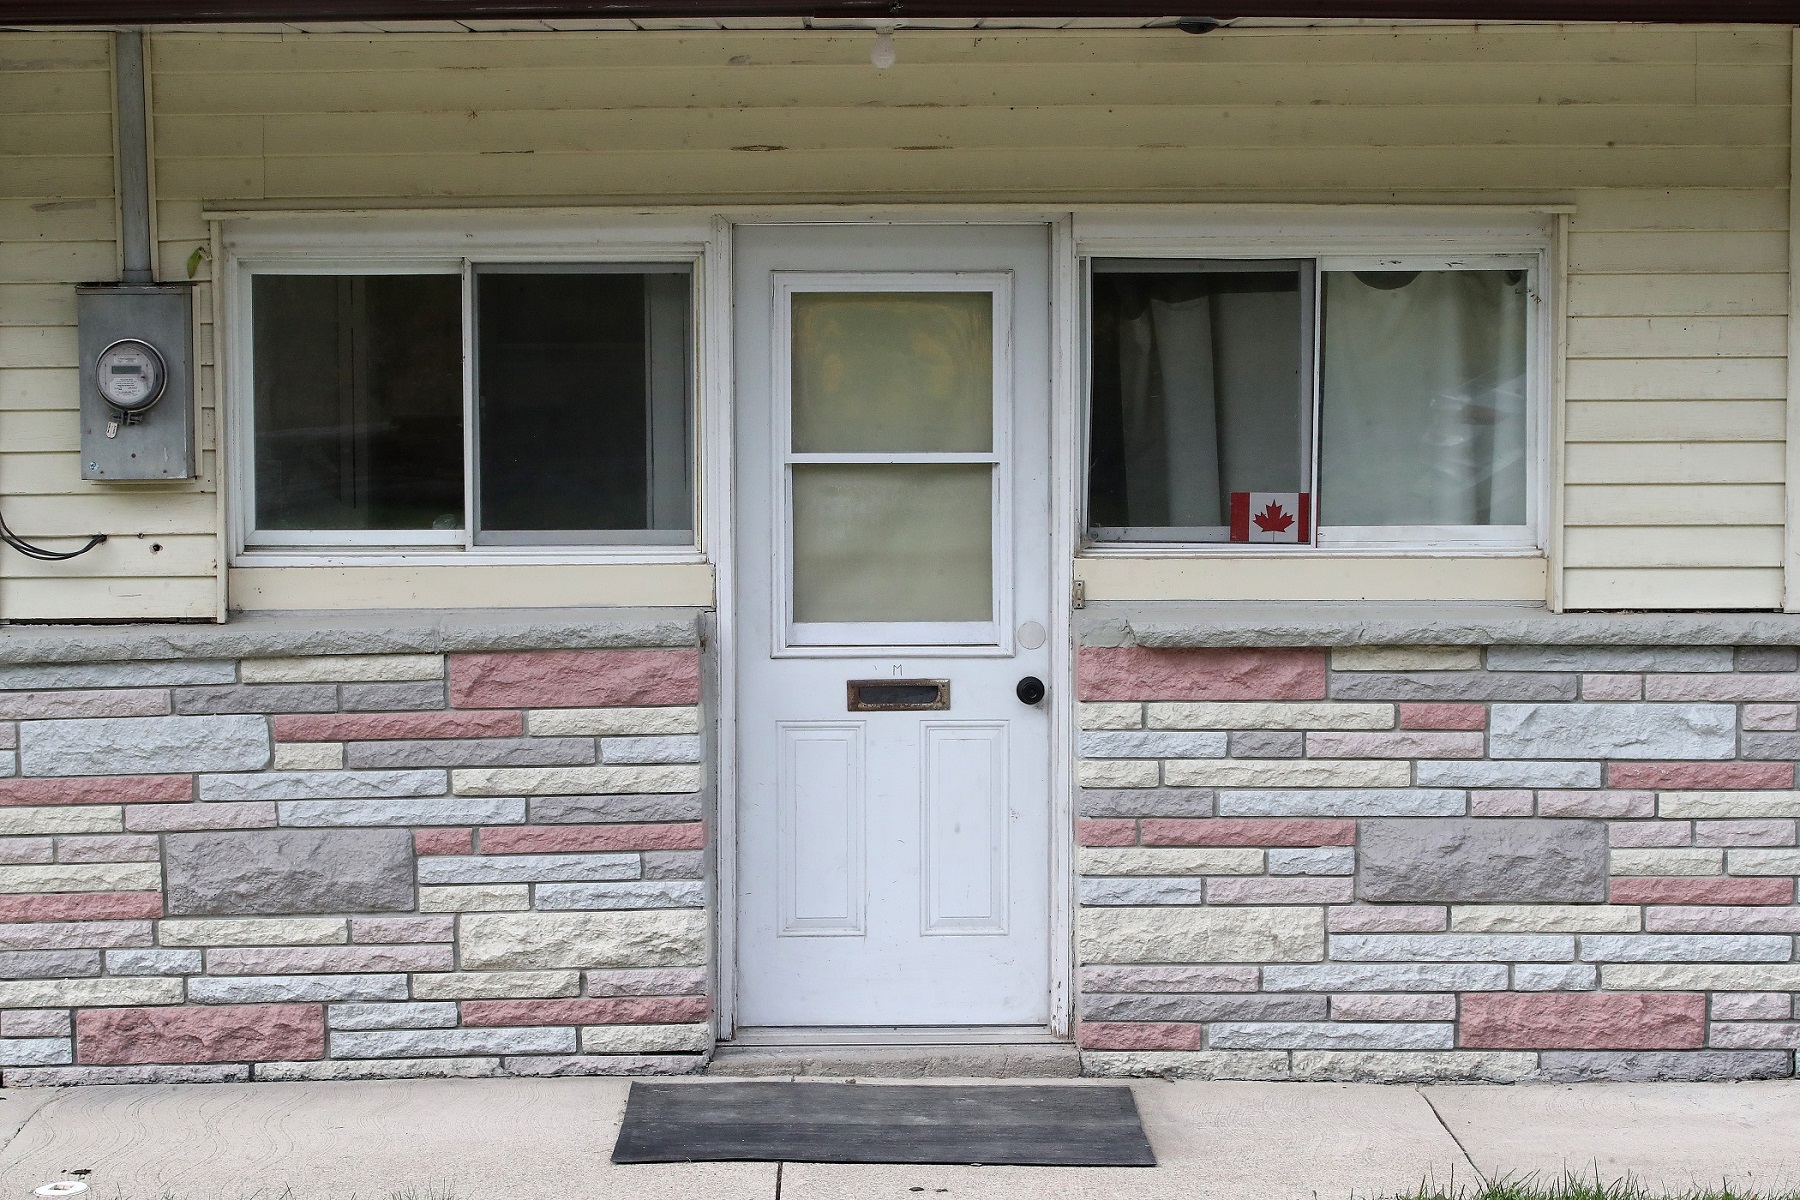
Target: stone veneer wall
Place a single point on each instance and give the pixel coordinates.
(344, 865)
(1439, 862)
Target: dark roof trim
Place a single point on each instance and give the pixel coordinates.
(145, 12)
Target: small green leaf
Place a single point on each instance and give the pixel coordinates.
(199, 256)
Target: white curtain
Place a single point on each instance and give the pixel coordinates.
(1423, 394)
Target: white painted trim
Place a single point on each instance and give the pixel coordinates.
(1067, 440)
(1790, 595)
(1557, 370)
(715, 429)
(220, 349)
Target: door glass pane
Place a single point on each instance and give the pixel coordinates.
(901, 371)
(893, 542)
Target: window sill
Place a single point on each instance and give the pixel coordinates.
(1250, 550)
(481, 556)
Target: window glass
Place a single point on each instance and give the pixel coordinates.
(358, 404)
(1423, 398)
(1200, 388)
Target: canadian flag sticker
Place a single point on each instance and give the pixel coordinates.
(1271, 517)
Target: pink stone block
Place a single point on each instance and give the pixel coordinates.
(1443, 716)
(1359, 1007)
(1612, 687)
(1600, 805)
(26, 851)
(81, 906)
(402, 929)
(615, 1010)
(75, 935)
(1280, 889)
(1760, 1036)
(443, 841)
(35, 1022)
(99, 789)
(9, 737)
(175, 818)
(1743, 833)
(200, 1034)
(106, 702)
(1399, 744)
(1723, 687)
(582, 839)
(1776, 718)
(1388, 918)
(1700, 776)
(1500, 803)
(575, 678)
(109, 848)
(1637, 835)
(1140, 673)
(1650, 889)
(1583, 1021)
(1752, 1006)
(1105, 832)
(1722, 919)
(329, 960)
(1137, 1035)
(397, 727)
(1247, 831)
(1168, 979)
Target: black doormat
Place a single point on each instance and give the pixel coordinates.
(882, 1123)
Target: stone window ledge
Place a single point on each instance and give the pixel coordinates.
(1172, 625)
(430, 631)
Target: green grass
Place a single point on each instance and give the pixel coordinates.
(1576, 1187)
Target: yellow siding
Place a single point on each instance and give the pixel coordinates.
(1671, 143)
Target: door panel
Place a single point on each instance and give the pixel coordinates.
(893, 500)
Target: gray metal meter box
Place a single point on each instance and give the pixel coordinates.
(137, 380)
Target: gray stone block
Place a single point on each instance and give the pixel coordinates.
(1493, 860)
(1175, 1006)
(1556, 977)
(1688, 947)
(153, 962)
(1318, 860)
(1266, 743)
(47, 676)
(334, 1069)
(1152, 744)
(417, 1043)
(1450, 685)
(1516, 774)
(1664, 1066)
(527, 868)
(674, 864)
(70, 1076)
(1385, 977)
(613, 810)
(669, 748)
(1451, 947)
(1631, 731)
(1770, 747)
(1147, 802)
(679, 893)
(281, 989)
(258, 698)
(459, 810)
(405, 1015)
(472, 752)
(1609, 659)
(604, 1064)
(1342, 802)
(323, 785)
(647, 981)
(34, 1052)
(289, 872)
(144, 745)
(49, 964)
(1330, 1035)
(421, 696)
(1142, 889)
(1763, 659)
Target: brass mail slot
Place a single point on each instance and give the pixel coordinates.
(899, 695)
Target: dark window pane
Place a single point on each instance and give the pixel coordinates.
(1198, 391)
(584, 405)
(358, 401)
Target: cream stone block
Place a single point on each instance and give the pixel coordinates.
(646, 1039)
(1406, 658)
(82, 877)
(594, 940)
(1095, 860)
(1757, 861)
(253, 931)
(1287, 773)
(343, 668)
(308, 756)
(575, 781)
(1185, 1064)
(1422, 1066)
(1700, 977)
(1117, 772)
(26, 822)
(1109, 715)
(1201, 935)
(497, 985)
(612, 722)
(1728, 804)
(1545, 918)
(482, 897)
(1270, 715)
(1674, 861)
(89, 993)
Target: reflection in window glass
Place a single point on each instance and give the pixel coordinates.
(1199, 390)
(1423, 398)
(358, 422)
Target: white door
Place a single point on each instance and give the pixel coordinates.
(893, 507)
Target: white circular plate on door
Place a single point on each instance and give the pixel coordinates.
(1031, 635)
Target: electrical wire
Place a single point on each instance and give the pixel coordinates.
(38, 552)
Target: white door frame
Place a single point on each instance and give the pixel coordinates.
(718, 478)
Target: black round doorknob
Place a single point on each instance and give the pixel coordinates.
(1030, 689)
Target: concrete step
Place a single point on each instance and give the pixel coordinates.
(1043, 1060)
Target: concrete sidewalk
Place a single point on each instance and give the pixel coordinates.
(526, 1139)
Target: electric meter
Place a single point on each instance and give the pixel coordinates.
(131, 375)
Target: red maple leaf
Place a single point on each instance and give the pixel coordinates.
(1274, 519)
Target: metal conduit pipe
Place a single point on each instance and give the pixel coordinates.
(130, 114)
